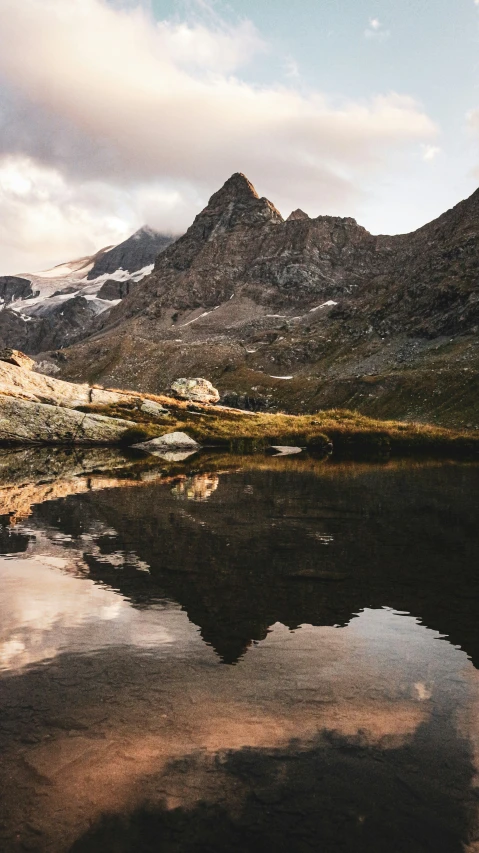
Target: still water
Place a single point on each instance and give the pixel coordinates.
(242, 655)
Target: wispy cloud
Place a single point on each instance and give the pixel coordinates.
(375, 30)
(291, 69)
(430, 152)
(156, 114)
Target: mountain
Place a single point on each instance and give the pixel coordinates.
(55, 308)
(303, 314)
(138, 252)
(300, 314)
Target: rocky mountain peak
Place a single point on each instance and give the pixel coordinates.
(235, 206)
(296, 215)
(236, 188)
(236, 203)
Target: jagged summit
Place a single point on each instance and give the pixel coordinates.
(236, 188)
(296, 215)
(236, 203)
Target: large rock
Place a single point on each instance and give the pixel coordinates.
(27, 385)
(155, 410)
(19, 359)
(171, 442)
(24, 422)
(195, 390)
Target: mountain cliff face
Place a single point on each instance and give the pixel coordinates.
(13, 287)
(303, 313)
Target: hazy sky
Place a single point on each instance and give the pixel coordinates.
(114, 114)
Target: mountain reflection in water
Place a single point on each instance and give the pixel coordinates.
(279, 656)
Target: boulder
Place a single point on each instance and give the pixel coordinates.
(171, 442)
(26, 422)
(14, 356)
(28, 385)
(196, 390)
(149, 407)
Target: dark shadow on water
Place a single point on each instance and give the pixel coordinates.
(337, 796)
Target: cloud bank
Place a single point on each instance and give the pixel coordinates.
(109, 119)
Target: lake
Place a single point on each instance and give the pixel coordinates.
(239, 654)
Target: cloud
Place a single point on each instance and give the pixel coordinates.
(430, 152)
(44, 217)
(152, 117)
(292, 69)
(375, 30)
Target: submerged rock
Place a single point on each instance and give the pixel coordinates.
(172, 442)
(197, 390)
(26, 422)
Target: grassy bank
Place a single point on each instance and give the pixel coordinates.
(351, 434)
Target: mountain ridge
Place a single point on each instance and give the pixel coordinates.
(302, 313)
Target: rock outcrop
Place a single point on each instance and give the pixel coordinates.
(195, 390)
(23, 384)
(39, 409)
(17, 358)
(13, 287)
(113, 289)
(25, 422)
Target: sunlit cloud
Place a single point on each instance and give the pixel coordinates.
(135, 120)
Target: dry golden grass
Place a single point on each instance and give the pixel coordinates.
(351, 434)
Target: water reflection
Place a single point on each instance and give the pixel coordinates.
(345, 596)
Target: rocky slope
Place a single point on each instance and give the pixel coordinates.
(56, 308)
(303, 313)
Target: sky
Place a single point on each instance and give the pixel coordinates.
(119, 113)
